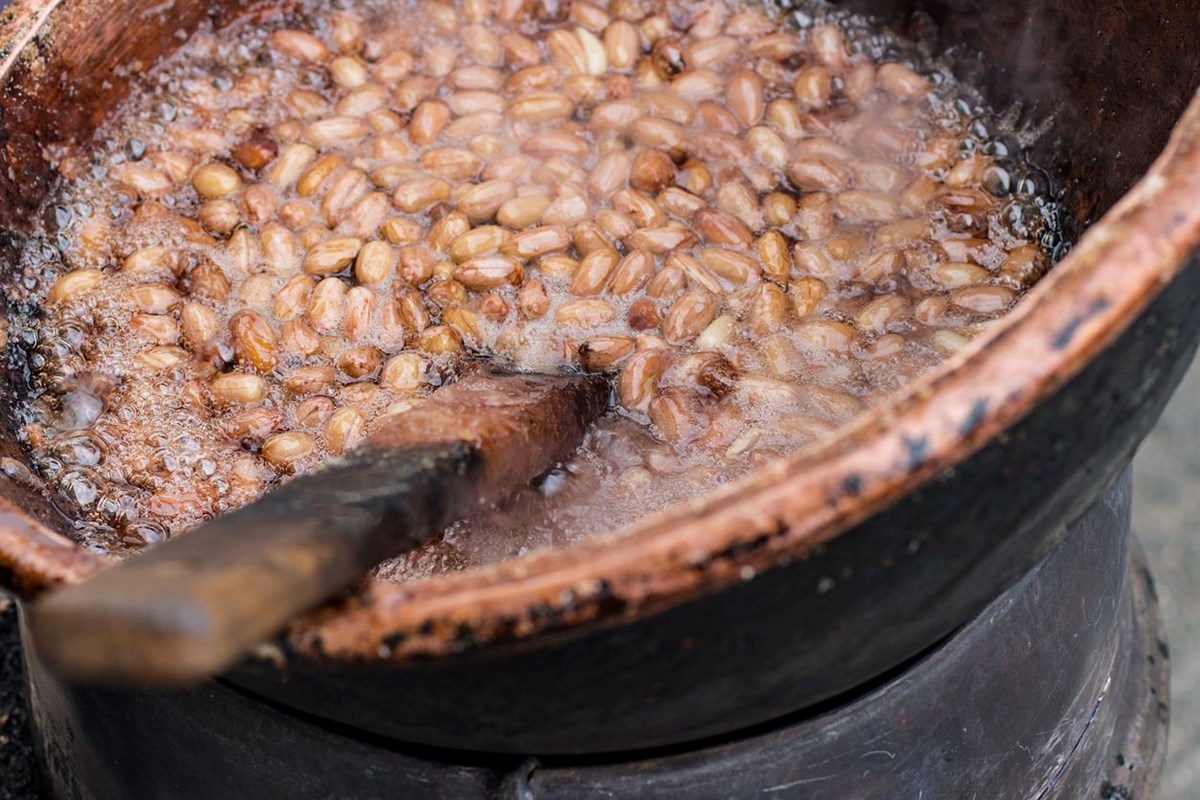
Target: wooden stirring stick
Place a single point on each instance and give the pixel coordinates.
(192, 606)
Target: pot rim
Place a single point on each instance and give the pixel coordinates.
(777, 513)
(787, 508)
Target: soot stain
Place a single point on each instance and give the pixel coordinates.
(1068, 331)
(464, 637)
(607, 601)
(917, 450)
(975, 418)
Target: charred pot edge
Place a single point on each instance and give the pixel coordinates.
(1118, 268)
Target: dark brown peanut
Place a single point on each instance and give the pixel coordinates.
(653, 171)
(593, 271)
(643, 315)
(677, 415)
(638, 381)
(254, 342)
(688, 316)
(605, 353)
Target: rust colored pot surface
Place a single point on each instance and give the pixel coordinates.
(815, 573)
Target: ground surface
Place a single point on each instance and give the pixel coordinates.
(1166, 517)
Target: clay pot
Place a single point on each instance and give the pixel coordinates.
(814, 574)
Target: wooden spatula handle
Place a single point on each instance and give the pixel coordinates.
(191, 606)
(186, 611)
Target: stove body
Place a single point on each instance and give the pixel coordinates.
(1058, 689)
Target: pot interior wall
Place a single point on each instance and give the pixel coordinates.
(1100, 85)
(1106, 84)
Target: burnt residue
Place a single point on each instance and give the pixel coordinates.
(975, 418)
(394, 640)
(1062, 338)
(917, 447)
(607, 602)
(738, 551)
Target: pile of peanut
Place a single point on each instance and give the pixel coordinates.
(301, 228)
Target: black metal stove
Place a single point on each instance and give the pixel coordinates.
(1057, 690)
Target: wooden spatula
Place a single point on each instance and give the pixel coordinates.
(192, 606)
